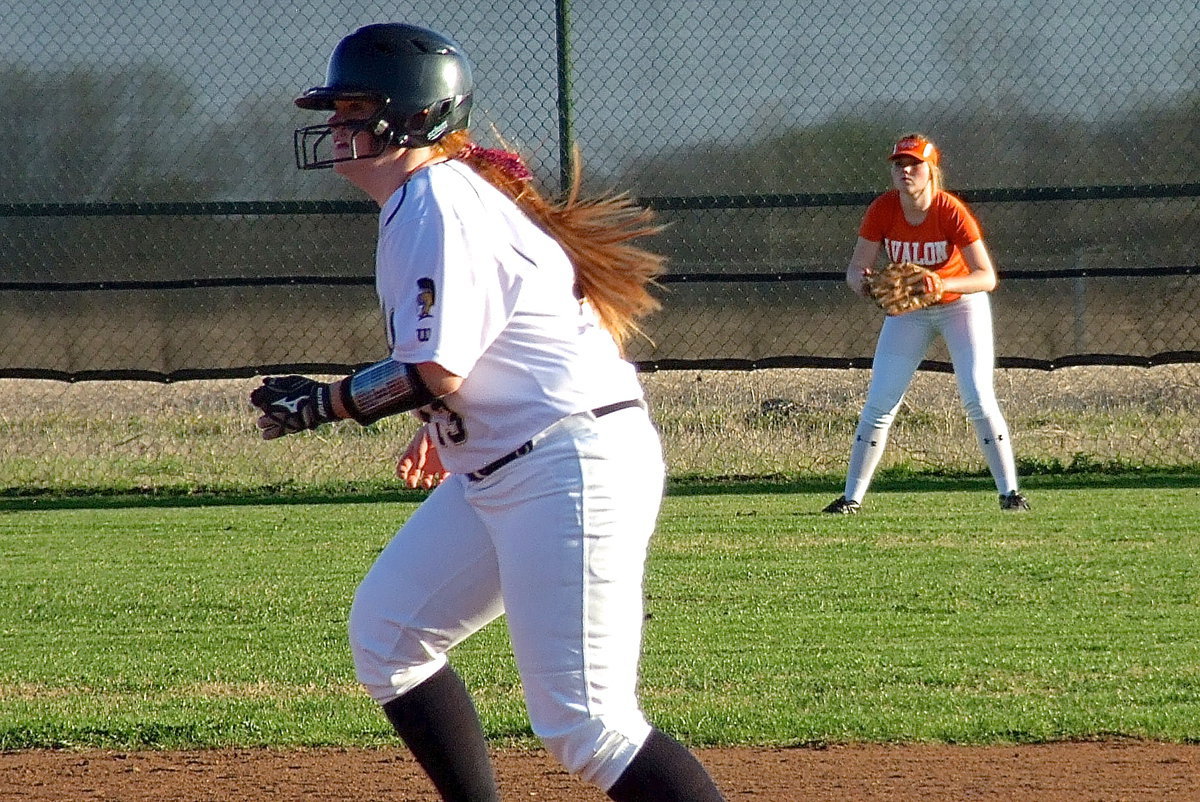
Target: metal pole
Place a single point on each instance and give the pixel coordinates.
(566, 133)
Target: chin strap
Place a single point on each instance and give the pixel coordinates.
(385, 388)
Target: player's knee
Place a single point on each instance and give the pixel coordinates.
(363, 630)
(977, 409)
(389, 659)
(874, 418)
(598, 750)
(388, 670)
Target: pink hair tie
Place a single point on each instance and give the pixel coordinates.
(511, 164)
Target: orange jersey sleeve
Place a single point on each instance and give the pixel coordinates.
(936, 242)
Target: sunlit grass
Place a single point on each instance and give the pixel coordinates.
(932, 616)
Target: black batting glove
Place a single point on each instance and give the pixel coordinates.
(292, 404)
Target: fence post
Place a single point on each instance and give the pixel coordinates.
(1079, 304)
(566, 133)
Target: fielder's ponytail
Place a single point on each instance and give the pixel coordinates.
(612, 273)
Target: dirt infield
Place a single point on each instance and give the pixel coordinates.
(1112, 771)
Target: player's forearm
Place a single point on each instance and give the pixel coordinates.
(339, 406)
(865, 252)
(377, 391)
(439, 380)
(972, 282)
(982, 277)
(389, 387)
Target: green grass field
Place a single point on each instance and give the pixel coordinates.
(175, 621)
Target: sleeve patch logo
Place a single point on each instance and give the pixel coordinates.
(426, 298)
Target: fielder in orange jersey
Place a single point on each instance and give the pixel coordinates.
(918, 221)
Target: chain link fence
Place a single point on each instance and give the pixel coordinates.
(788, 423)
(154, 226)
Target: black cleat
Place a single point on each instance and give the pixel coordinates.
(1014, 501)
(843, 506)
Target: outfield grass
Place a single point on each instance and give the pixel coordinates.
(130, 622)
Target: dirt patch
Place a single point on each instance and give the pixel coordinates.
(1120, 771)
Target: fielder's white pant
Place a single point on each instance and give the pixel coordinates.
(555, 540)
(966, 327)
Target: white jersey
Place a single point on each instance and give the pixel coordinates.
(466, 280)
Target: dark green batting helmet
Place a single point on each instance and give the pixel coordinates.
(421, 79)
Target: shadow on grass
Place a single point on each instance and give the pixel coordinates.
(887, 481)
(15, 499)
(20, 499)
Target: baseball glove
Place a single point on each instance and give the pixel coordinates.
(904, 286)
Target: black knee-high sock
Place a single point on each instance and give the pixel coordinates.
(439, 724)
(664, 770)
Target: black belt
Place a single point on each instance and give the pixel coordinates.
(527, 446)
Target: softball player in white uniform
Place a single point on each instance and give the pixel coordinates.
(549, 472)
(918, 221)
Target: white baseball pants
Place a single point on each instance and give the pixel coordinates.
(966, 327)
(555, 540)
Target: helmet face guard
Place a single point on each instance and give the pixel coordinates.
(421, 79)
(312, 141)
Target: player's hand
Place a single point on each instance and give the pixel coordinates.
(862, 287)
(420, 465)
(292, 404)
